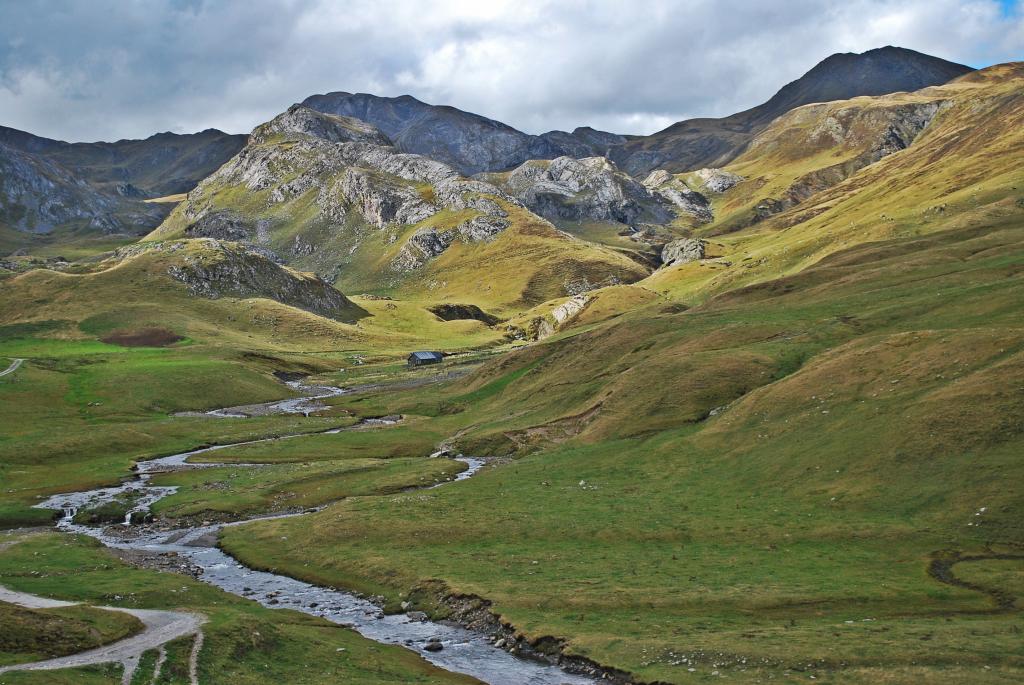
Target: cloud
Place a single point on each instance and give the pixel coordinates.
(108, 69)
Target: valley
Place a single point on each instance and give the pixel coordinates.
(728, 401)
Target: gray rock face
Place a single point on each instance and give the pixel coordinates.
(38, 195)
(428, 243)
(467, 142)
(379, 202)
(585, 189)
(687, 201)
(223, 269)
(682, 251)
(717, 180)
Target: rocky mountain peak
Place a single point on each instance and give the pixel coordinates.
(334, 128)
(846, 75)
(696, 143)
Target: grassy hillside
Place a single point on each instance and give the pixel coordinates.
(35, 634)
(778, 483)
(963, 170)
(112, 354)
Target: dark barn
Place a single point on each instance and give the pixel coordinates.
(423, 358)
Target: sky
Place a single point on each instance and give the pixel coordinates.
(83, 70)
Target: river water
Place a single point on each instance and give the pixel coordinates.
(463, 651)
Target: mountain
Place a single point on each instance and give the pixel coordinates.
(830, 176)
(473, 144)
(786, 453)
(329, 193)
(98, 188)
(163, 164)
(695, 143)
(39, 195)
(90, 188)
(468, 142)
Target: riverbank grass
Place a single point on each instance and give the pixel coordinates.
(245, 644)
(37, 634)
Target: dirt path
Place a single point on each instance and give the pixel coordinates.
(193, 659)
(941, 569)
(160, 628)
(13, 367)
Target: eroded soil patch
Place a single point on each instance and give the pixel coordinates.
(143, 337)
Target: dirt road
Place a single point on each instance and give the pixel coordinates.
(13, 367)
(160, 627)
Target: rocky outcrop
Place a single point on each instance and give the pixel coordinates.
(222, 225)
(540, 327)
(570, 308)
(682, 251)
(213, 269)
(379, 202)
(673, 190)
(430, 242)
(717, 180)
(567, 189)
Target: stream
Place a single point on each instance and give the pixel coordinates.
(462, 651)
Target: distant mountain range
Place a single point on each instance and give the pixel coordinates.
(49, 184)
(472, 143)
(163, 164)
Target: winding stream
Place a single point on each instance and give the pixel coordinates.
(463, 651)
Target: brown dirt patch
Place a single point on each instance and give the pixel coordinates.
(143, 337)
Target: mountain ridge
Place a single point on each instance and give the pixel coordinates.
(99, 188)
(161, 164)
(472, 143)
(711, 142)
(115, 177)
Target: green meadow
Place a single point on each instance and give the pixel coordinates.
(756, 487)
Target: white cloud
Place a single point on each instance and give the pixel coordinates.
(105, 69)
